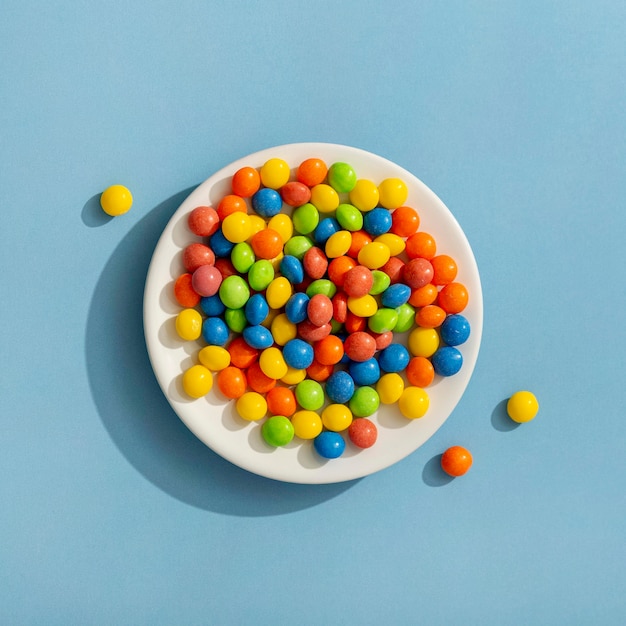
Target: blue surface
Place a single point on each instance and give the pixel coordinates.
(512, 112)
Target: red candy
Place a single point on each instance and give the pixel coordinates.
(206, 280)
(358, 281)
(360, 346)
(394, 269)
(362, 432)
(315, 263)
(225, 267)
(340, 307)
(320, 310)
(203, 221)
(197, 254)
(382, 339)
(295, 193)
(417, 273)
(310, 332)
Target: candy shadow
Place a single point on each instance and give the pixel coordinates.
(433, 475)
(137, 415)
(92, 213)
(500, 419)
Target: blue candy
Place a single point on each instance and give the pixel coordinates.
(267, 202)
(327, 227)
(329, 444)
(377, 222)
(455, 330)
(258, 337)
(447, 361)
(220, 245)
(340, 387)
(395, 295)
(298, 354)
(364, 372)
(214, 331)
(256, 309)
(296, 307)
(394, 358)
(212, 306)
(291, 268)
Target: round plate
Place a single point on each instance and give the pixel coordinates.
(213, 418)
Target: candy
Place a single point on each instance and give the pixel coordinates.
(374, 255)
(232, 382)
(421, 244)
(456, 461)
(394, 358)
(297, 246)
(430, 316)
(306, 218)
(267, 202)
(329, 444)
(414, 402)
(291, 268)
(298, 354)
(242, 354)
(522, 406)
(259, 381)
(380, 282)
(423, 342)
(395, 295)
(197, 381)
(283, 330)
(206, 280)
(237, 227)
(295, 193)
(229, 204)
(341, 177)
(393, 193)
(278, 292)
(323, 286)
(358, 281)
(395, 244)
(338, 244)
(365, 195)
(219, 244)
(444, 269)
(365, 306)
(184, 292)
(383, 320)
(306, 424)
(245, 182)
(360, 346)
(203, 221)
(256, 309)
(406, 318)
(283, 225)
(215, 332)
(310, 332)
(359, 239)
(311, 172)
(349, 217)
(275, 173)
(214, 358)
(195, 255)
(189, 324)
(315, 263)
(293, 376)
(251, 406)
(258, 337)
(272, 363)
(364, 372)
(340, 387)
(234, 292)
(453, 298)
(267, 244)
(336, 417)
(277, 431)
(324, 198)
(310, 395)
(417, 273)
(377, 221)
(260, 275)
(242, 257)
(390, 387)
(404, 221)
(116, 200)
(338, 268)
(420, 371)
(364, 402)
(329, 350)
(326, 227)
(281, 401)
(363, 432)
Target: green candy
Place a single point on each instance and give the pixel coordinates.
(235, 320)
(383, 320)
(341, 177)
(381, 282)
(310, 394)
(321, 285)
(364, 402)
(260, 275)
(406, 318)
(234, 292)
(349, 217)
(297, 246)
(277, 430)
(305, 219)
(242, 257)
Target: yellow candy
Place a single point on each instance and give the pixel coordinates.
(197, 381)
(237, 227)
(393, 193)
(338, 244)
(423, 342)
(278, 292)
(337, 417)
(414, 402)
(189, 324)
(214, 358)
(116, 200)
(283, 225)
(374, 255)
(324, 198)
(251, 406)
(293, 376)
(275, 173)
(282, 329)
(365, 195)
(272, 363)
(258, 224)
(306, 424)
(522, 406)
(390, 388)
(395, 243)
(363, 306)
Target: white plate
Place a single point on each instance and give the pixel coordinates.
(213, 418)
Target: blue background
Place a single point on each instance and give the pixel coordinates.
(512, 112)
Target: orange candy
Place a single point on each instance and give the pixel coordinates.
(423, 296)
(453, 298)
(354, 323)
(259, 381)
(184, 292)
(422, 245)
(281, 401)
(404, 221)
(232, 382)
(266, 244)
(312, 172)
(241, 354)
(430, 316)
(444, 268)
(318, 371)
(420, 371)
(456, 461)
(246, 182)
(329, 351)
(231, 204)
(338, 268)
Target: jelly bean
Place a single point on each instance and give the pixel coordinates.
(456, 461)
(338, 268)
(235, 319)
(423, 296)
(267, 244)
(360, 346)
(297, 246)
(395, 244)
(277, 431)
(258, 337)
(310, 332)
(363, 432)
(315, 263)
(341, 177)
(116, 200)
(197, 381)
(259, 381)
(404, 221)
(307, 424)
(383, 320)
(377, 221)
(267, 202)
(380, 282)
(393, 193)
(394, 269)
(283, 330)
(365, 195)
(214, 358)
(444, 268)
(453, 297)
(396, 295)
(305, 219)
(295, 193)
(390, 388)
(184, 292)
(234, 292)
(281, 401)
(242, 354)
(318, 371)
(283, 225)
(338, 244)
(340, 387)
(329, 351)
(349, 217)
(329, 445)
(340, 307)
(256, 309)
(291, 268)
(430, 316)
(273, 363)
(364, 402)
(423, 342)
(215, 331)
(324, 198)
(336, 417)
(251, 406)
(311, 172)
(275, 173)
(323, 286)
(296, 307)
(298, 354)
(414, 402)
(225, 267)
(421, 245)
(365, 306)
(358, 281)
(417, 273)
(394, 358)
(420, 371)
(242, 257)
(229, 204)
(522, 406)
(310, 395)
(354, 323)
(293, 376)
(237, 227)
(189, 324)
(206, 280)
(364, 372)
(278, 292)
(260, 275)
(406, 318)
(245, 182)
(359, 239)
(320, 309)
(374, 255)
(455, 330)
(203, 221)
(382, 339)
(232, 382)
(195, 255)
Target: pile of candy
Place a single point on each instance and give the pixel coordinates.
(299, 286)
